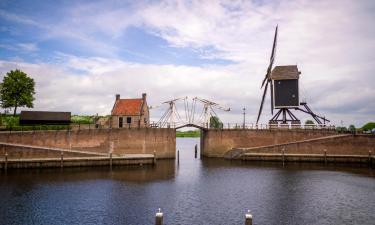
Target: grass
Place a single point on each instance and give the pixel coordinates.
(189, 133)
(80, 119)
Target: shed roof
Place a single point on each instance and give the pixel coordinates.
(127, 107)
(285, 72)
(45, 115)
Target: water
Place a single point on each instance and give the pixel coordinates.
(195, 192)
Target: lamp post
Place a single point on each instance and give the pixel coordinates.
(244, 117)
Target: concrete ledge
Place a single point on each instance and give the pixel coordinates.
(135, 159)
(321, 158)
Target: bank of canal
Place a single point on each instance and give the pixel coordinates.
(209, 191)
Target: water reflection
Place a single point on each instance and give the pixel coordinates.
(195, 191)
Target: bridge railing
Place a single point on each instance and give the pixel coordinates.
(248, 126)
(252, 126)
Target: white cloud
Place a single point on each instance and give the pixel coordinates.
(28, 47)
(331, 41)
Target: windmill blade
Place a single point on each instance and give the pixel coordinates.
(261, 104)
(271, 87)
(265, 78)
(272, 58)
(273, 53)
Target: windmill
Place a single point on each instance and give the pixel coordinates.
(283, 81)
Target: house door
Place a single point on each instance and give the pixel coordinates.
(120, 122)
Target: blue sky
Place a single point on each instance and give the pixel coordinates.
(81, 53)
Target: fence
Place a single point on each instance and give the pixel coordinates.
(247, 126)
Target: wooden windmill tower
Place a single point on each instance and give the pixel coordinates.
(283, 81)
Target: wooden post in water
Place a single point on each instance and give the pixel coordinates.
(369, 158)
(248, 218)
(325, 156)
(178, 157)
(62, 159)
(159, 218)
(6, 161)
(110, 160)
(196, 151)
(110, 153)
(154, 161)
(283, 156)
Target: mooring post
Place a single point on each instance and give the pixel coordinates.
(178, 156)
(196, 151)
(70, 139)
(159, 218)
(154, 161)
(283, 156)
(6, 161)
(248, 218)
(62, 159)
(369, 158)
(110, 160)
(325, 156)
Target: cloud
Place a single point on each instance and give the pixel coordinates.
(28, 47)
(332, 42)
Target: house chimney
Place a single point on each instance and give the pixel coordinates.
(144, 96)
(117, 97)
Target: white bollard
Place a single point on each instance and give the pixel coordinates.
(248, 218)
(159, 218)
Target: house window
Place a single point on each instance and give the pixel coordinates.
(145, 120)
(120, 122)
(128, 120)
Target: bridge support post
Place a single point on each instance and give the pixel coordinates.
(159, 218)
(248, 218)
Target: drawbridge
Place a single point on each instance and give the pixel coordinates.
(182, 112)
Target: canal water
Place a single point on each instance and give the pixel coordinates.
(194, 192)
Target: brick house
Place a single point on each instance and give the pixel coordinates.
(130, 113)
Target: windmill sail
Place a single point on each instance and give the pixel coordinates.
(267, 78)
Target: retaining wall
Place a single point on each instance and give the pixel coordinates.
(335, 145)
(125, 141)
(216, 142)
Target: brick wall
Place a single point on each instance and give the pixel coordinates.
(125, 141)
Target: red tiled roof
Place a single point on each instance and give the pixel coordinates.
(127, 107)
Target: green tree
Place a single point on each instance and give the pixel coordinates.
(351, 128)
(17, 90)
(215, 122)
(369, 126)
(309, 122)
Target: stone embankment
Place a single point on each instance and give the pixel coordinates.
(333, 148)
(85, 147)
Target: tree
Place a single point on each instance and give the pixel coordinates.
(309, 122)
(369, 126)
(215, 122)
(17, 90)
(352, 128)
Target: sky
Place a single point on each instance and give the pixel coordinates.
(82, 53)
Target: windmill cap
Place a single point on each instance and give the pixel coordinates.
(289, 72)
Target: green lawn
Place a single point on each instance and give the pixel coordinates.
(189, 133)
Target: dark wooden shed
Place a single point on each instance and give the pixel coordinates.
(44, 117)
